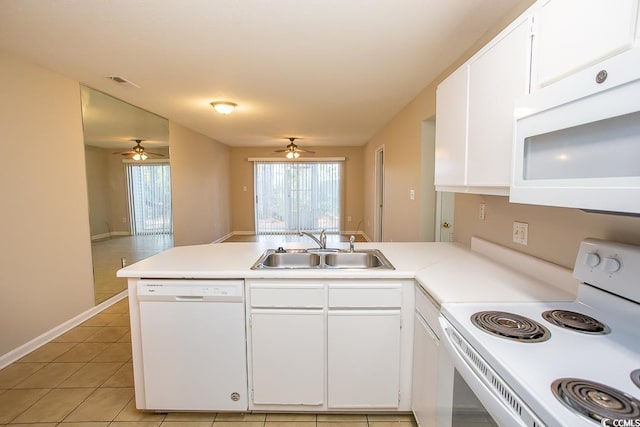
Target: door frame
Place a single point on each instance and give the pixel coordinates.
(378, 231)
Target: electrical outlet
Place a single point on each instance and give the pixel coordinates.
(349, 218)
(412, 194)
(481, 213)
(520, 232)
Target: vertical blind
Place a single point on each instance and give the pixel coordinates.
(293, 197)
(149, 186)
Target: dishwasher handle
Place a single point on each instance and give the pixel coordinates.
(189, 298)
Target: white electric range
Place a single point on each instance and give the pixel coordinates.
(557, 363)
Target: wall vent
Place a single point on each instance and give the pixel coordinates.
(122, 81)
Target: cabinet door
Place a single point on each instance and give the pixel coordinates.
(573, 34)
(497, 76)
(363, 359)
(425, 373)
(287, 357)
(451, 129)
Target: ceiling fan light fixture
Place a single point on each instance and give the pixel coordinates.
(224, 107)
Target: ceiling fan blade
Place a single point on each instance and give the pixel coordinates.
(280, 151)
(124, 153)
(155, 154)
(302, 150)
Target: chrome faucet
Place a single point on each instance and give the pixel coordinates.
(322, 241)
(351, 240)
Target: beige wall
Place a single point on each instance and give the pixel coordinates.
(45, 267)
(403, 158)
(405, 219)
(200, 177)
(97, 190)
(554, 233)
(242, 204)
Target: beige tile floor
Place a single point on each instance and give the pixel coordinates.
(84, 378)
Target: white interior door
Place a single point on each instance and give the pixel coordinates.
(444, 216)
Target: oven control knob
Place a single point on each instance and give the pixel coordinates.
(611, 265)
(592, 259)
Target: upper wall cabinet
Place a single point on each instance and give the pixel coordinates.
(451, 129)
(570, 35)
(474, 121)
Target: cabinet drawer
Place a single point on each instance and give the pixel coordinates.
(301, 296)
(350, 296)
(427, 309)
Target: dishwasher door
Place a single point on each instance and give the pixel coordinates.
(193, 344)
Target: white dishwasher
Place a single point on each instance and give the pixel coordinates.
(193, 344)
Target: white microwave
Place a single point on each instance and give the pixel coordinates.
(577, 142)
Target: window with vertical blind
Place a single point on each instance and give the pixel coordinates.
(149, 188)
(297, 196)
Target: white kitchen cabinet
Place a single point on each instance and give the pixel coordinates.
(363, 359)
(287, 354)
(425, 362)
(571, 35)
(451, 130)
(497, 76)
(474, 114)
(330, 345)
(363, 345)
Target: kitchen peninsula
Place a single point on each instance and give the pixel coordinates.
(318, 340)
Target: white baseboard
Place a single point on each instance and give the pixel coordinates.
(223, 238)
(17, 353)
(243, 233)
(110, 234)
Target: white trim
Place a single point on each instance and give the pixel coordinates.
(19, 352)
(298, 160)
(365, 236)
(109, 234)
(223, 238)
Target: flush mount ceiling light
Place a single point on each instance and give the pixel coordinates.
(224, 107)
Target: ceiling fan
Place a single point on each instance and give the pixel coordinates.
(137, 152)
(292, 150)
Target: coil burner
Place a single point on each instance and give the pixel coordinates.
(635, 377)
(576, 321)
(595, 401)
(511, 326)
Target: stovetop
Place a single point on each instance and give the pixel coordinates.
(530, 368)
(534, 366)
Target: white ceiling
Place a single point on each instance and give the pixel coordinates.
(332, 72)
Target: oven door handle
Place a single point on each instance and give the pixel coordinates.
(501, 413)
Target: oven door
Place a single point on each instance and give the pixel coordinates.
(479, 395)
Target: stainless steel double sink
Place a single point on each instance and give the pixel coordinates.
(322, 259)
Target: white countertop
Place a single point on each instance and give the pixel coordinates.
(449, 272)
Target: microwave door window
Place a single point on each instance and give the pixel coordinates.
(607, 148)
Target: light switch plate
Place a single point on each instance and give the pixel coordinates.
(520, 232)
(482, 212)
